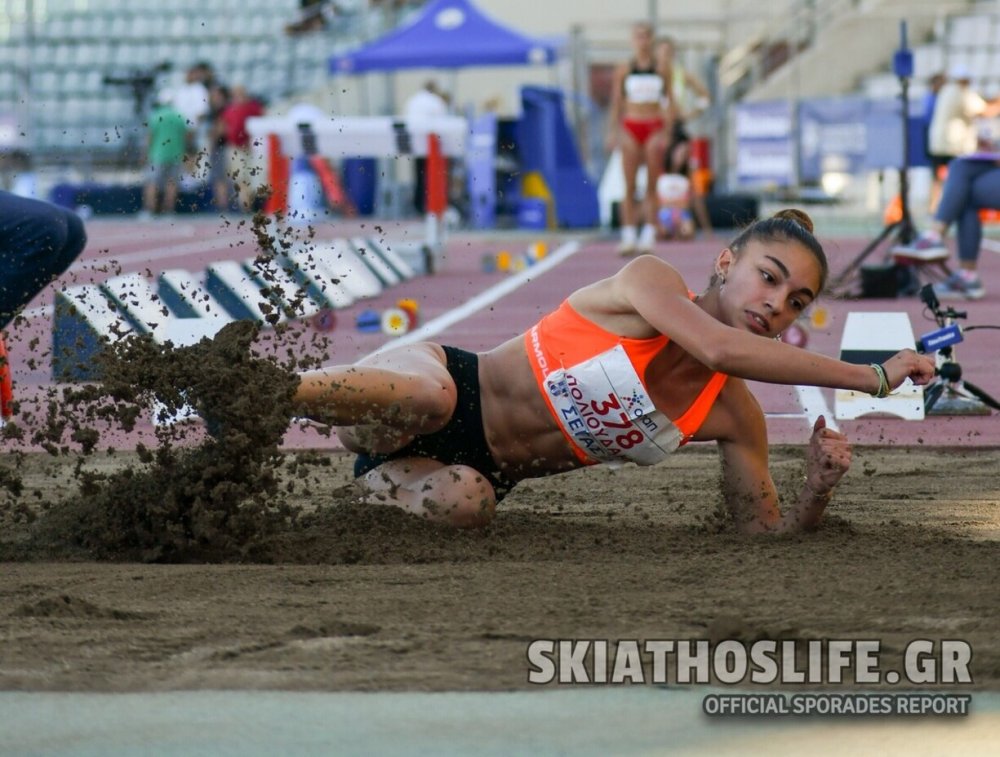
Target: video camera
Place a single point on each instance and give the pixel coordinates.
(139, 78)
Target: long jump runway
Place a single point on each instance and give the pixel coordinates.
(467, 307)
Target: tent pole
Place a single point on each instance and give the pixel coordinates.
(578, 68)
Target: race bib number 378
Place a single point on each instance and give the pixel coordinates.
(603, 406)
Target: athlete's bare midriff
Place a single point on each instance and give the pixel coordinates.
(642, 111)
(520, 430)
(522, 435)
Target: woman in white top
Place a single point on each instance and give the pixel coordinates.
(640, 125)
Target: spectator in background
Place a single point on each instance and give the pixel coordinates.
(167, 140)
(971, 185)
(314, 16)
(952, 131)
(191, 101)
(428, 102)
(640, 124)
(218, 178)
(243, 162)
(38, 241)
(938, 162)
(691, 99)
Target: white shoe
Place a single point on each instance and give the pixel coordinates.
(627, 245)
(647, 238)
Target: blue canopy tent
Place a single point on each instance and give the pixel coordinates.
(453, 34)
(447, 34)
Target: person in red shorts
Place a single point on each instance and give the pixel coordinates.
(641, 121)
(244, 166)
(627, 369)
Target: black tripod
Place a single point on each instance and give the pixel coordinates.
(902, 231)
(948, 393)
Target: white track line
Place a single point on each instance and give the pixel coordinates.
(483, 299)
(813, 404)
(993, 245)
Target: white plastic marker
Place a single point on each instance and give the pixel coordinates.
(874, 338)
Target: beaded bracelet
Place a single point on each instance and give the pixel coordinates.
(883, 382)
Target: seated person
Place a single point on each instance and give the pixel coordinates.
(673, 194)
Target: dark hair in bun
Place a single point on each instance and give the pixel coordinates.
(786, 225)
(799, 216)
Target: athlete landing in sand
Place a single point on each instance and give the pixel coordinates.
(626, 370)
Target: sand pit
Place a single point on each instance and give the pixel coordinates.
(345, 597)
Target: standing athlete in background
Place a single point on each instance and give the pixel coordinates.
(640, 125)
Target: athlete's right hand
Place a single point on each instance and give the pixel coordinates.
(611, 141)
(907, 364)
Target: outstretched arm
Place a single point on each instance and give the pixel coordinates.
(656, 291)
(749, 489)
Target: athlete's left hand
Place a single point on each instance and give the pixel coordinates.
(827, 458)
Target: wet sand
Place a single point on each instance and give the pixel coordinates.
(348, 597)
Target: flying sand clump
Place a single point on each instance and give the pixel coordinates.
(182, 502)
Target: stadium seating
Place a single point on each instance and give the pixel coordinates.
(69, 48)
(970, 40)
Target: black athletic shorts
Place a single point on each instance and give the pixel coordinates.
(462, 441)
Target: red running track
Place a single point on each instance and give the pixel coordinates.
(125, 246)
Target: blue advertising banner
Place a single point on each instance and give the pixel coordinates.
(765, 149)
(884, 128)
(835, 134)
(832, 134)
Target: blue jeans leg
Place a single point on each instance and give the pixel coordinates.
(984, 192)
(38, 241)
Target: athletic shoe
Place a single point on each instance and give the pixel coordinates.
(627, 245)
(958, 287)
(925, 247)
(647, 238)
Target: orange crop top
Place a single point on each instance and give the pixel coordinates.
(593, 382)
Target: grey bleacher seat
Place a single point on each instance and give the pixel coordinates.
(57, 28)
(91, 81)
(71, 81)
(959, 57)
(178, 26)
(45, 80)
(79, 27)
(119, 26)
(928, 60)
(978, 31)
(129, 54)
(980, 61)
(86, 54)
